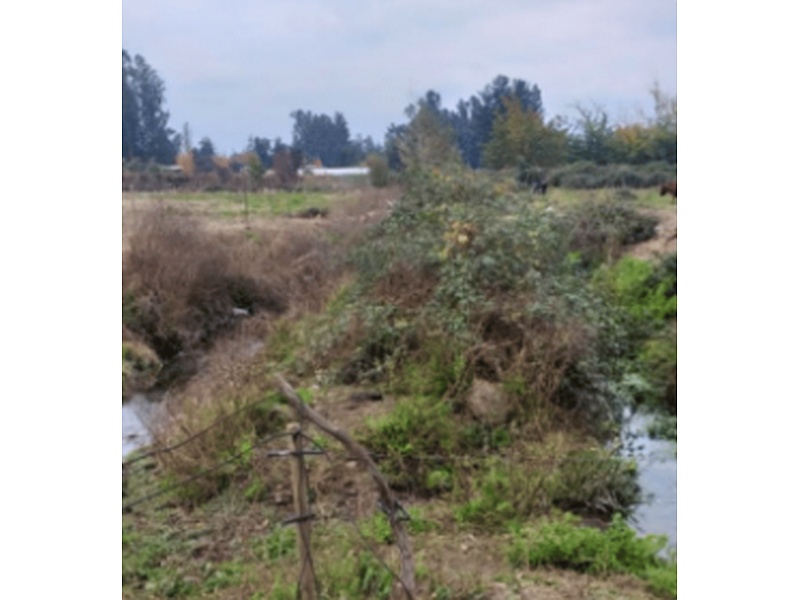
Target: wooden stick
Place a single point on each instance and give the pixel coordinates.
(308, 589)
(387, 497)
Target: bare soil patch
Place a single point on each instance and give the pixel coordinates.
(666, 240)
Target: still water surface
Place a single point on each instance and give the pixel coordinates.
(658, 476)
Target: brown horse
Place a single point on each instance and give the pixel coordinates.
(671, 187)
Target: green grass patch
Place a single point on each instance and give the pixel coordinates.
(635, 198)
(409, 440)
(279, 543)
(646, 293)
(378, 529)
(563, 543)
(503, 491)
(232, 204)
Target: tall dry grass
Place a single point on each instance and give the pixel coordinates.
(185, 283)
(206, 298)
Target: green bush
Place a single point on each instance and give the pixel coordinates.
(599, 230)
(595, 483)
(467, 279)
(647, 295)
(413, 442)
(503, 492)
(659, 359)
(663, 427)
(378, 170)
(562, 543)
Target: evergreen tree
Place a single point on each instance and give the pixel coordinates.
(475, 118)
(321, 138)
(145, 134)
(204, 156)
(262, 147)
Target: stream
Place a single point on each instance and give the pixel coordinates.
(658, 477)
(135, 412)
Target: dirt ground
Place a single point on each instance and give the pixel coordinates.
(666, 240)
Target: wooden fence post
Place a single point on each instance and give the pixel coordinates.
(406, 587)
(307, 583)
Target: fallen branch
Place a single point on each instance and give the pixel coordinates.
(389, 502)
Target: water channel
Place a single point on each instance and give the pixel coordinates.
(135, 413)
(658, 477)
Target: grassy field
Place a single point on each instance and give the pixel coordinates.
(287, 203)
(234, 204)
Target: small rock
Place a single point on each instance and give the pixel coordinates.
(488, 403)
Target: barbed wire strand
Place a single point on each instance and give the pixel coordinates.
(205, 472)
(195, 435)
(367, 542)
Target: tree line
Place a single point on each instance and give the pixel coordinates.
(502, 125)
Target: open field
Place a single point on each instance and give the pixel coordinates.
(361, 203)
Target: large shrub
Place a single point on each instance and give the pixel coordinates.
(378, 170)
(463, 264)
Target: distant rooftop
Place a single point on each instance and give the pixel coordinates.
(335, 172)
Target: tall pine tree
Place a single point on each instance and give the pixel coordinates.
(145, 134)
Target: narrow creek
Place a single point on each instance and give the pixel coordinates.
(135, 413)
(657, 460)
(658, 477)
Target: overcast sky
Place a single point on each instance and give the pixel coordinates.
(236, 69)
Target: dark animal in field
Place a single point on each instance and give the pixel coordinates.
(540, 187)
(671, 187)
(312, 213)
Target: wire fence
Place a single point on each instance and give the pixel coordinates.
(217, 422)
(332, 456)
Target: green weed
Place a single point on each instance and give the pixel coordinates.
(498, 498)
(659, 359)
(595, 483)
(148, 563)
(562, 543)
(222, 575)
(378, 528)
(280, 542)
(372, 578)
(644, 293)
(413, 441)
